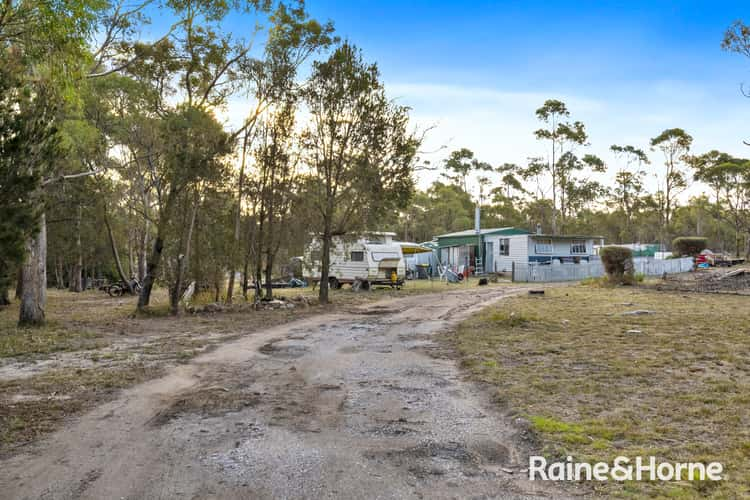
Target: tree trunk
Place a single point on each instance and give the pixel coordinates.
(131, 256)
(115, 253)
(144, 240)
(151, 271)
(554, 186)
(76, 280)
(258, 279)
(59, 274)
(269, 275)
(142, 260)
(34, 278)
(245, 270)
(19, 283)
(4, 297)
(174, 291)
(182, 260)
(237, 221)
(230, 284)
(325, 261)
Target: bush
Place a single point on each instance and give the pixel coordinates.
(618, 264)
(688, 245)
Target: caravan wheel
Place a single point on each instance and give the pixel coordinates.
(333, 283)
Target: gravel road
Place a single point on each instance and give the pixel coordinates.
(353, 404)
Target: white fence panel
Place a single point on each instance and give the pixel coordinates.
(531, 272)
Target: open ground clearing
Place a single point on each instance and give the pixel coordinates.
(596, 383)
(341, 404)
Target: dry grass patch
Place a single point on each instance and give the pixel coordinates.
(596, 383)
(37, 405)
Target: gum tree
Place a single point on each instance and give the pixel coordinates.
(628, 182)
(674, 143)
(562, 136)
(358, 147)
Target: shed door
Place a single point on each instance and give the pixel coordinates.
(489, 257)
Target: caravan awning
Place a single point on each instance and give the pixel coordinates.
(412, 248)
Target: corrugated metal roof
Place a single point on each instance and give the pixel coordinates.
(471, 232)
(567, 236)
(470, 237)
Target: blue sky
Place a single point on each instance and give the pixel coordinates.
(476, 71)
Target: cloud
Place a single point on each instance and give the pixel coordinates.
(498, 124)
(431, 92)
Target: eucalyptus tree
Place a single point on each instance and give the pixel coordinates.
(27, 139)
(193, 71)
(275, 179)
(562, 136)
(628, 186)
(459, 166)
(358, 147)
(737, 39)
(577, 192)
(509, 180)
(268, 81)
(729, 178)
(43, 49)
(674, 143)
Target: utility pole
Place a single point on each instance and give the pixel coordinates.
(479, 264)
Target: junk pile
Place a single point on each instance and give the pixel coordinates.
(264, 305)
(712, 281)
(707, 259)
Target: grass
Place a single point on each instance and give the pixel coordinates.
(15, 342)
(596, 384)
(345, 296)
(38, 404)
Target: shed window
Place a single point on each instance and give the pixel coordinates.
(505, 246)
(543, 246)
(358, 256)
(578, 247)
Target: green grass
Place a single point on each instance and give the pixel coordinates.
(594, 388)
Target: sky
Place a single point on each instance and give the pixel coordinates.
(473, 73)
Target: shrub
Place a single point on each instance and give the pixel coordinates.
(688, 245)
(618, 264)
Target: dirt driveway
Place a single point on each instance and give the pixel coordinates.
(347, 405)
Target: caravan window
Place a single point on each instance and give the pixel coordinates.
(578, 247)
(378, 256)
(358, 256)
(543, 246)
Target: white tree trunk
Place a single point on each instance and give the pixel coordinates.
(34, 278)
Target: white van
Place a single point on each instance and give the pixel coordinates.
(374, 259)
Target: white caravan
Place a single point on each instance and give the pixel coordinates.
(373, 259)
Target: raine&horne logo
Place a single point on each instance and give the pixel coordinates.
(623, 469)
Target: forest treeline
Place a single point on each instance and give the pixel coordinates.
(115, 160)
